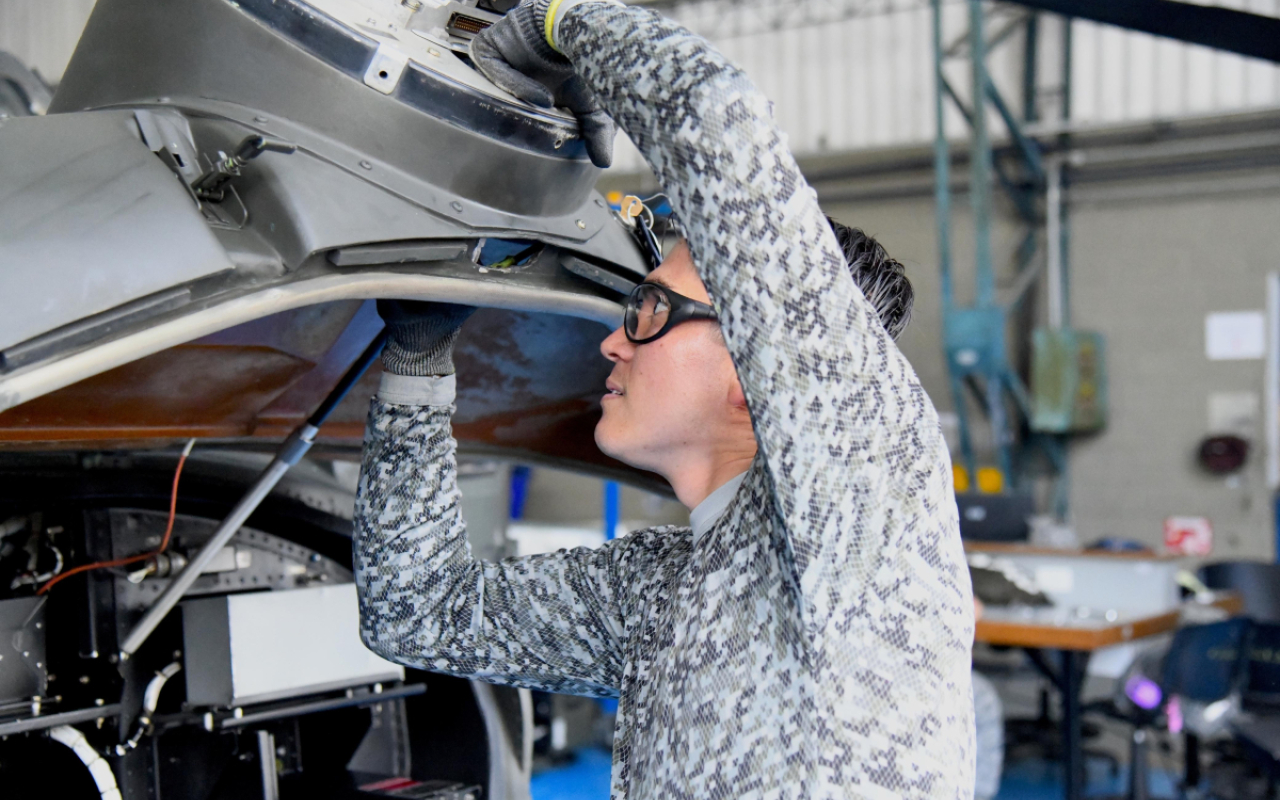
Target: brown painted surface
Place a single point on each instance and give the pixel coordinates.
(190, 390)
(529, 385)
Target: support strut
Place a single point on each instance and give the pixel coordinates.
(290, 453)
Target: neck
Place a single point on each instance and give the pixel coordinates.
(695, 481)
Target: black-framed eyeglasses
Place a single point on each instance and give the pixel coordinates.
(653, 310)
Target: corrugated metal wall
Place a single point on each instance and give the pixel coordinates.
(854, 74)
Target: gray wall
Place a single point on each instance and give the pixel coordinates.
(1144, 272)
(1150, 257)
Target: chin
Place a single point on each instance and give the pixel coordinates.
(612, 444)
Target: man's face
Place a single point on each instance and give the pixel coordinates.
(675, 399)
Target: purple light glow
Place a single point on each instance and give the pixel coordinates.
(1143, 692)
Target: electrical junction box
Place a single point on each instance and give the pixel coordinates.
(1068, 381)
(261, 646)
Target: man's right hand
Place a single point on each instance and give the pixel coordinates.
(421, 335)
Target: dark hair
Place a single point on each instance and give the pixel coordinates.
(883, 280)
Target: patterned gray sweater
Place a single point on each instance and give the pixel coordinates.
(815, 642)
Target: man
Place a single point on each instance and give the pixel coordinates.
(810, 636)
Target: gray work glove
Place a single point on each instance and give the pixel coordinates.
(514, 53)
(421, 335)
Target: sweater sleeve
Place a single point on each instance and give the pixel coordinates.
(849, 438)
(553, 622)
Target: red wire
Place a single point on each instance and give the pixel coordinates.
(120, 562)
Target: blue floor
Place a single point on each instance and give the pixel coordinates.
(587, 778)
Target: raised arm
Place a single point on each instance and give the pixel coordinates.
(553, 622)
(851, 442)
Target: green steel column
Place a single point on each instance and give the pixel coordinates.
(941, 163)
(942, 202)
(980, 162)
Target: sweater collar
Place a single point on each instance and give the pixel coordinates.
(707, 513)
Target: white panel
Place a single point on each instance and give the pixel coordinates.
(283, 642)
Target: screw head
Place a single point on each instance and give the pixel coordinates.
(582, 225)
(84, 678)
(455, 205)
(260, 119)
(366, 165)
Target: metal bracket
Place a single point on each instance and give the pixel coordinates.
(385, 69)
(212, 184)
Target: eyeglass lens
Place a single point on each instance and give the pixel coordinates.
(647, 311)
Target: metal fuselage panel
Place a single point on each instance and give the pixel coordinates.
(265, 310)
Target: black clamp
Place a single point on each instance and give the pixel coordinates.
(212, 184)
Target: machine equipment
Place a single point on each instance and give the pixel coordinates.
(190, 242)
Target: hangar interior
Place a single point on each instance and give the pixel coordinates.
(1086, 198)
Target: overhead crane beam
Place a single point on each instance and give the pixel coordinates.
(1253, 35)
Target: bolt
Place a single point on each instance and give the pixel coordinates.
(84, 678)
(260, 119)
(455, 205)
(558, 144)
(39, 664)
(26, 653)
(599, 202)
(177, 654)
(282, 751)
(315, 558)
(113, 659)
(39, 625)
(582, 225)
(99, 702)
(431, 51)
(366, 165)
(414, 4)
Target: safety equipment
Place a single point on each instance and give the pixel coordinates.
(420, 335)
(653, 310)
(514, 53)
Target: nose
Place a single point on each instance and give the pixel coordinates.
(616, 347)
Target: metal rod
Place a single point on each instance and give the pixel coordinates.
(290, 453)
(1053, 243)
(1031, 69)
(1026, 145)
(316, 706)
(1271, 389)
(63, 718)
(980, 162)
(267, 763)
(942, 166)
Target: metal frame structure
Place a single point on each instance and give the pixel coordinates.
(975, 337)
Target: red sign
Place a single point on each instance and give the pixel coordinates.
(1188, 536)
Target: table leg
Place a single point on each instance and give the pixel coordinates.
(1071, 678)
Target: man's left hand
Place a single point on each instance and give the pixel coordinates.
(514, 53)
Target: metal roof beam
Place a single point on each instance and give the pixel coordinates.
(1253, 35)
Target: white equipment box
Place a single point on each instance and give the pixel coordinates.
(262, 646)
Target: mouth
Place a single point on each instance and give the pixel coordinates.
(613, 390)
